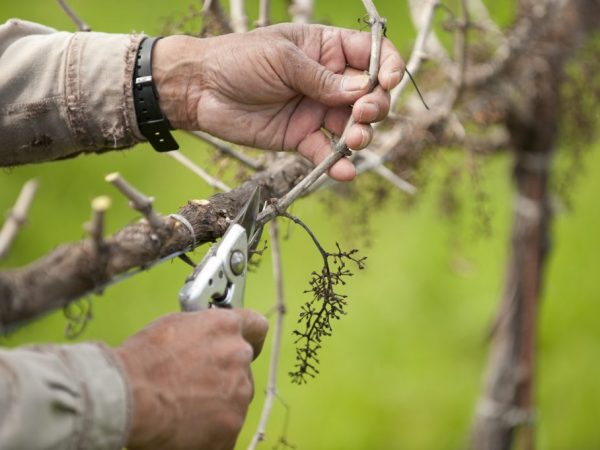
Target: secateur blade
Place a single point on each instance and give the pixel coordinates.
(220, 278)
(247, 219)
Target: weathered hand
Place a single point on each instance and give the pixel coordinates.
(190, 380)
(275, 87)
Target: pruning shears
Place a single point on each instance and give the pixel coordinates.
(220, 278)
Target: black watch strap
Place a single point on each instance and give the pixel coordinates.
(152, 123)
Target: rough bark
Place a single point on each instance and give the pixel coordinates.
(507, 402)
(73, 270)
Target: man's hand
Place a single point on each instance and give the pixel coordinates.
(276, 87)
(190, 379)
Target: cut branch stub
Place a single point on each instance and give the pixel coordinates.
(95, 227)
(138, 201)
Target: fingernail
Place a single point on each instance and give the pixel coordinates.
(357, 83)
(370, 111)
(393, 79)
(365, 137)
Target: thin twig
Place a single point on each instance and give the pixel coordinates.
(302, 187)
(95, 227)
(371, 10)
(340, 148)
(191, 165)
(369, 160)
(416, 86)
(212, 9)
(206, 6)
(302, 11)
(278, 333)
(454, 94)
(394, 179)
(239, 19)
(264, 13)
(483, 72)
(79, 23)
(324, 253)
(418, 52)
(433, 47)
(523, 31)
(138, 201)
(462, 47)
(17, 217)
(224, 148)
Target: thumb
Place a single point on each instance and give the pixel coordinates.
(254, 328)
(321, 84)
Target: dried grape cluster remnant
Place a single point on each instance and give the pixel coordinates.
(326, 305)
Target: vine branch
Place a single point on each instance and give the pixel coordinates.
(227, 150)
(264, 13)
(280, 309)
(17, 217)
(418, 53)
(78, 21)
(195, 168)
(302, 11)
(43, 285)
(239, 19)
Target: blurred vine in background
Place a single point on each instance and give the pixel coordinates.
(581, 92)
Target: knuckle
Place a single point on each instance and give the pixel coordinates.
(234, 356)
(249, 389)
(230, 422)
(323, 80)
(240, 353)
(326, 86)
(246, 391)
(164, 329)
(225, 321)
(384, 111)
(386, 100)
(245, 353)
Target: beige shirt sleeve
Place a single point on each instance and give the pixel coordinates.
(60, 397)
(62, 94)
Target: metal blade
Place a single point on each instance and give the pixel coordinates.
(254, 240)
(247, 216)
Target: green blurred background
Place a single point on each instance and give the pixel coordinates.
(404, 369)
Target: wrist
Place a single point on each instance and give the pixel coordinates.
(177, 77)
(149, 421)
(151, 121)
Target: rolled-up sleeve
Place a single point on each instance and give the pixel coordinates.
(63, 397)
(64, 93)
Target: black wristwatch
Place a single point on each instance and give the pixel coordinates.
(152, 123)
